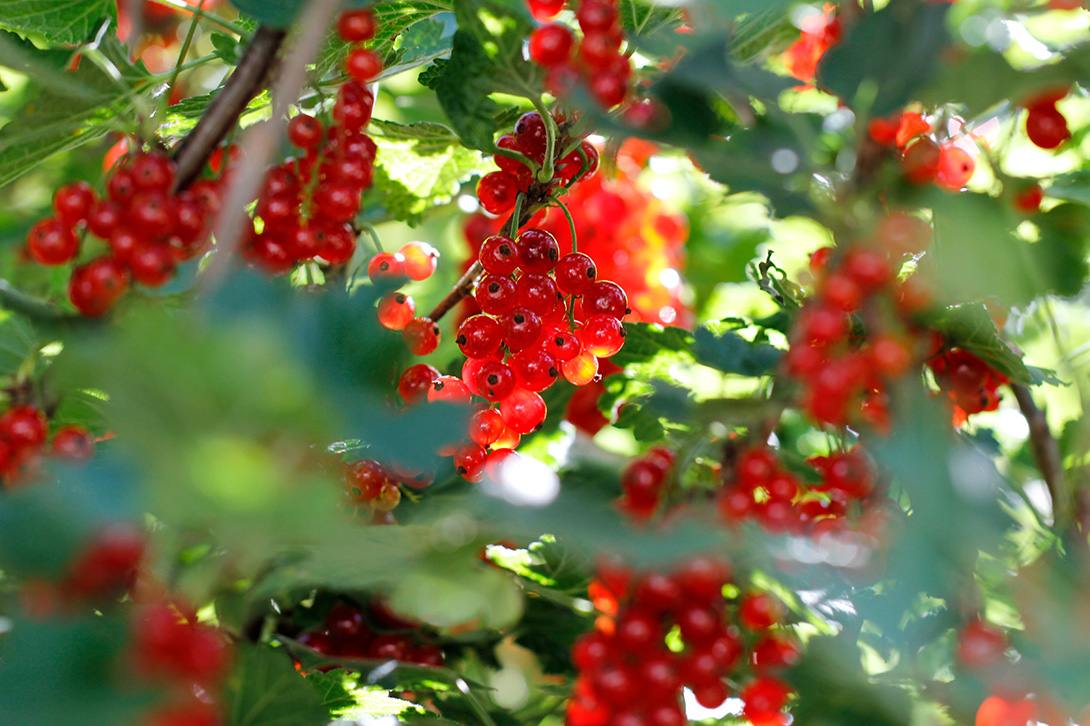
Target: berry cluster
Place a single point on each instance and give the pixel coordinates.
(24, 432)
(378, 633)
(968, 381)
(375, 487)
(596, 58)
(307, 203)
(844, 374)
(172, 647)
(1046, 126)
(628, 676)
(498, 190)
(761, 488)
(147, 229)
(924, 160)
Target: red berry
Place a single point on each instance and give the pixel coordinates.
(386, 270)
(561, 344)
(416, 381)
(596, 15)
(575, 273)
(73, 202)
(336, 242)
(903, 234)
(496, 294)
(95, 287)
(537, 251)
(104, 218)
(152, 264)
(24, 427)
(495, 380)
(485, 426)
(153, 172)
(1046, 126)
(498, 255)
(521, 329)
(305, 131)
(701, 579)
(449, 388)
(764, 697)
(121, 186)
(955, 167)
(151, 214)
(337, 201)
(395, 310)
(605, 298)
(421, 336)
(507, 141)
(580, 370)
(537, 292)
(420, 259)
(609, 88)
(602, 335)
(356, 26)
(522, 410)
(469, 461)
(271, 254)
(52, 242)
(363, 64)
(758, 611)
(920, 161)
(598, 50)
(479, 336)
(353, 106)
(545, 9)
(981, 645)
(551, 45)
(497, 191)
(535, 369)
(73, 442)
(1028, 200)
(531, 137)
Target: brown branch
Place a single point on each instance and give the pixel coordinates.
(1046, 452)
(535, 200)
(247, 81)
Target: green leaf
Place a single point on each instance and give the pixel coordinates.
(181, 117)
(68, 22)
(645, 340)
(731, 353)
(264, 689)
(64, 116)
(69, 671)
(421, 165)
(971, 327)
(486, 57)
(227, 48)
(887, 56)
(18, 341)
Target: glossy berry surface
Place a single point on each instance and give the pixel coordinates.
(421, 336)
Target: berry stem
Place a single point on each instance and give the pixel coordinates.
(181, 56)
(1046, 452)
(373, 234)
(249, 77)
(571, 223)
(515, 217)
(545, 174)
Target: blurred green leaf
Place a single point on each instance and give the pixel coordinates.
(68, 22)
(264, 689)
(729, 352)
(887, 56)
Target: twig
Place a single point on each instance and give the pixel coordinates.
(260, 142)
(246, 82)
(1046, 452)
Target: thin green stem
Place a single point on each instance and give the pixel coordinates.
(545, 174)
(373, 234)
(513, 232)
(571, 224)
(183, 52)
(184, 67)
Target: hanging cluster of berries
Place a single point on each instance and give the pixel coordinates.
(844, 373)
(24, 437)
(968, 381)
(172, 648)
(596, 59)
(1046, 125)
(630, 674)
(145, 229)
(498, 190)
(373, 633)
(762, 489)
(374, 487)
(924, 160)
(307, 203)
